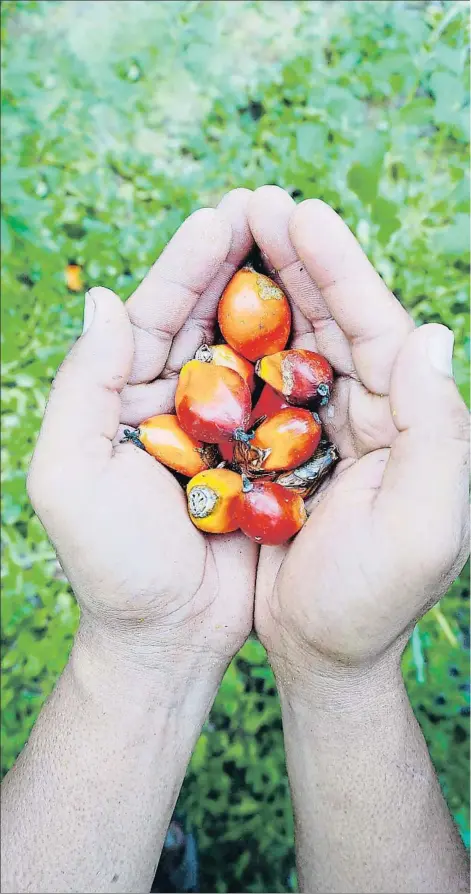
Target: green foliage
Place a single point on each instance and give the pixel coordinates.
(119, 120)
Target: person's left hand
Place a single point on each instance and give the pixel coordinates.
(389, 532)
(152, 588)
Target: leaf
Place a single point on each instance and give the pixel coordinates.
(363, 177)
(363, 182)
(453, 240)
(6, 240)
(386, 215)
(310, 142)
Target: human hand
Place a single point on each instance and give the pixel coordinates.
(388, 534)
(151, 587)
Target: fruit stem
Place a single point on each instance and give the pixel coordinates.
(244, 436)
(247, 485)
(323, 391)
(132, 434)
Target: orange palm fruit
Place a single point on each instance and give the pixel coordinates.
(282, 442)
(254, 315)
(165, 440)
(224, 355)
(270, 513)
(73, 277)
(212, 402)
(214, 500)
(304, 378)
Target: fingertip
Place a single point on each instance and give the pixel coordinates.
(269, 197)
(107, 342)
(101, 293)
(269, 212)
(437, 342)
(210, 227)
(423, 392)
(241, 194)
(102, 297)
(102, 304)
(234, 207)
(310, 215)
(268, 191)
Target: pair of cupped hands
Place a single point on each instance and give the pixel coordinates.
(385, 536)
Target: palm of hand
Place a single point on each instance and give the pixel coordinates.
(159, 571)
(202, 587)
(321, 590)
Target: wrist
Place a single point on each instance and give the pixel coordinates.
(317, 685)
(109, 674)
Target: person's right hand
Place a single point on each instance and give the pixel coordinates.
(152, 588)
(389, 533)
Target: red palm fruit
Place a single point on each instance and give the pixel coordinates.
(269, 513)
(212, 402)
(254, 315)
(269, 403)
(283, 442)
(304, 378)
(226, 449)
(224, 355)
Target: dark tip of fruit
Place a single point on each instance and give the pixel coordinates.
(243, 436)
(323, 391)
(247, 485)
(132, 434)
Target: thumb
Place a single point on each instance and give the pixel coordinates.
(82, 414)
(427, 472)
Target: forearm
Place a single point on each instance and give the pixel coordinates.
(369, 812)
(87, 806)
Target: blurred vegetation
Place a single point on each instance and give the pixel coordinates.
(120, 118)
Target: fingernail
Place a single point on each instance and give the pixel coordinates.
(88, 312)
(440, 350)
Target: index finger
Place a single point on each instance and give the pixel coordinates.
(166, 296)
(371, 317)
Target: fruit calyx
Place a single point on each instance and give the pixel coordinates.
(201, 501)
(247, 458)
(204, 354)
(306, 479)
(132, 434)
(267, 289)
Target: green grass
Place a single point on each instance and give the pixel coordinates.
(119, 120)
